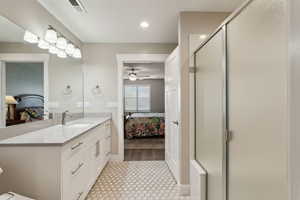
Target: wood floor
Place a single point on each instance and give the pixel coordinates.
(145, 149)
(144, 154)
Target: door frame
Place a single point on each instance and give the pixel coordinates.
(121, 59)
(17, 57)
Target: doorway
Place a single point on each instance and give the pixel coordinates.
(138, 99)
(144, 111)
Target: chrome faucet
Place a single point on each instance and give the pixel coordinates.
(64, 116)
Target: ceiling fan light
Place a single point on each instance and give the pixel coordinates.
(43, 44)
(61, 43)
(77, 53)
(51, 36)
(53, 50)
(132, 77)
(70, 49)
(30, 37)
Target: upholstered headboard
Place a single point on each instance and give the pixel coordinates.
(30, 102)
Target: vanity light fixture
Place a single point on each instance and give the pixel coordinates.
(77, 53)
(51, 35)
(53, 50)
(70, 49)
(61, 54)
(61, 43)
(43, 44)
(30, 37)
(55, 42)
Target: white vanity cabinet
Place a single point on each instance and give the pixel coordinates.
(52, 172)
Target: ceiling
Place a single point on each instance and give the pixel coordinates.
(145, 71)
(117, 21)
(10, 32)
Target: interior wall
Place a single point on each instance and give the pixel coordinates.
(294, 110)
(100, 67)
(157, 93)
(30, 15)
(191, 23)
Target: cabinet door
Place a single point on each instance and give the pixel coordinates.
(210, 111)
(257, 61)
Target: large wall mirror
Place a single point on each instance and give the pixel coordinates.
(34, 83)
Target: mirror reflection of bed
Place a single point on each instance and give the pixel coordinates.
(24, 92)
(144, 107)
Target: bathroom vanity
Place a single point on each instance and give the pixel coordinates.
(59, 162)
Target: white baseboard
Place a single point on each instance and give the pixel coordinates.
(116, 157)
(185, 190)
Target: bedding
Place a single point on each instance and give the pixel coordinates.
(144, 125)
(31, 105)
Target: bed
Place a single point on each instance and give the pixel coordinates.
(32, 104)
(139, 125)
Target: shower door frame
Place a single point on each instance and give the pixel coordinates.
(225, 118)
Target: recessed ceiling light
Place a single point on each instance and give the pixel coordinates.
(144, 25)
(203, 37)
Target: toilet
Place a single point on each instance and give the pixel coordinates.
(13, 196)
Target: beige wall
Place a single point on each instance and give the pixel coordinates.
(101, 68)
(191, 23)
(30, 15)
(157, 100)
(294, 51)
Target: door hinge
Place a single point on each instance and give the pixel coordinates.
(228, 135)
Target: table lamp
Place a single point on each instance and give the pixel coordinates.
(11, 103)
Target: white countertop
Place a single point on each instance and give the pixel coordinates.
(56, 135)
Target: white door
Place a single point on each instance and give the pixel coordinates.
(172, 74)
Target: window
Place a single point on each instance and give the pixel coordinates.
(137, 98)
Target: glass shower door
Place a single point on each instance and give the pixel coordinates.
(210, 116)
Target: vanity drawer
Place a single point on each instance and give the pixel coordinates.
(74, 147)
(75, 177)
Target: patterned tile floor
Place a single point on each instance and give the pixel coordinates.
(136, 180)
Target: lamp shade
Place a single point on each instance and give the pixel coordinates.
(61, 54)
(43, 44)
(61, 43)
(10, 100)
(30, 37)
(70, 49)
(51, 36)
(53, 50)
(77, 53)
(1, 171)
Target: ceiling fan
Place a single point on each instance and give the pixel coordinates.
(132, 75)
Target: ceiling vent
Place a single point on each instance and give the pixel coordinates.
(77, 4)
